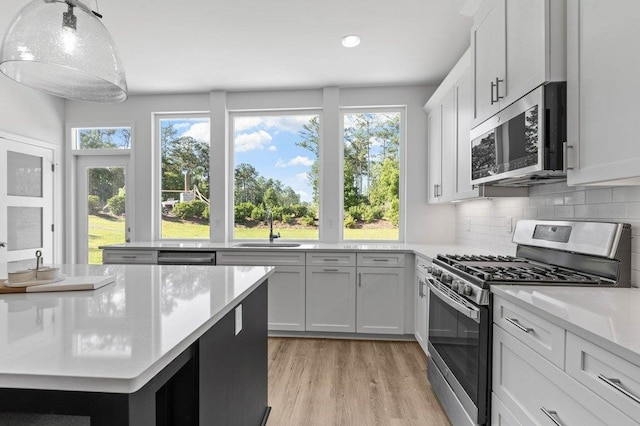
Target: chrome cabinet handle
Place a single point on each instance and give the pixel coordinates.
(380, 260)
(420, 288)
(498, 81)
(553, 415)
(360, 279)
(565, 156)
(616, 384)
(493, 86)
(3, 244)
(517, 324)
(330, 270)
(129, 256)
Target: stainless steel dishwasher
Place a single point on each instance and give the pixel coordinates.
(181, 257)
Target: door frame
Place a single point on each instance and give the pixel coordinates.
(57, 213)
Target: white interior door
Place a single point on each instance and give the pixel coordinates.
(100, 222)
(26, 201)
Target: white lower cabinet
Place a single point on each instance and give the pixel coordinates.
(421, 298)
(331, 298)
(380, 300)
(286, 285)
(529, 388)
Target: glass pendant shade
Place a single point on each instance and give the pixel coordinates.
(43, 50)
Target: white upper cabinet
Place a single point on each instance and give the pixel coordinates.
(434, 123)
(516, 45)
(603, 89)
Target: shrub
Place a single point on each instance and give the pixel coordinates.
(94, 204)
(206, 213)
(277, 212)
(183, 210)
(259, 213)
(116, 204)
(288, 219)
(372, 213)
(242, 211)
(393, 214)
(308, 220)
(349, 221)
(299, 210)
(356, 212)
(287, 210)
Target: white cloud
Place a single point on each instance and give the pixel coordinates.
(303, 176)
(297, 161)
(243, 123)
(273, 148)
(250, 141)
(200, 132)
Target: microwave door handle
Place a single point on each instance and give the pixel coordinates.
(470, 312)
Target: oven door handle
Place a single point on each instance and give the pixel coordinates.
(468, 311)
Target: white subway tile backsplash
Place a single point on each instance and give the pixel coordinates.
(598, 196)
(564, 212)
(552, 201)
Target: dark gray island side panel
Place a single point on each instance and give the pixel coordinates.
(233, 368)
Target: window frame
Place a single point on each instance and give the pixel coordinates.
(402, 147)
(156, 170)
(231, 164)
(72, 127)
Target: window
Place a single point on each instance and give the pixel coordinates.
(371, 175)
(184, 188)
(276, 170)
(102, 138)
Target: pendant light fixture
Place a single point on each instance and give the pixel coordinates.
(61, 47)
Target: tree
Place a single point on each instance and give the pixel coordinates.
(184, 159)
(246, 183)
(310, 140)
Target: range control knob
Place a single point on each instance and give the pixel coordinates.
(430, 269)
(447, 279)
(436, 272)
(465, 289)
(455, 285)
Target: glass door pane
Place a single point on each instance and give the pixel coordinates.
(101, 203)
(26, 201)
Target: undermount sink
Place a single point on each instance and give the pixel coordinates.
(267, 245)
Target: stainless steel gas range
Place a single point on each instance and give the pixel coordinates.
(552, 253)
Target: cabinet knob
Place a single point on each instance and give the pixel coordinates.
(3, 244)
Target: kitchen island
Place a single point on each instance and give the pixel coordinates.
(161, 345)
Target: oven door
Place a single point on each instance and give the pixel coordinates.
(459, 344)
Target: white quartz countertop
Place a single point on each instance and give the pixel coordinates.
(608, 317)
(116, 338)
(428, 250)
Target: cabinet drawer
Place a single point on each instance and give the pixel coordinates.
(130, 256)
(387, 260)
(500, 414)
(613, 378)
(534, 390)
(422, 264)
(331, 259)
(260, 258)
(539, 334)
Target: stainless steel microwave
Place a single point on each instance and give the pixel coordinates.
(523, 144)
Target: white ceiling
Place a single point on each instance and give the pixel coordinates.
(195, 46)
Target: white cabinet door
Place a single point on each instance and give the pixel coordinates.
(603, 89)
(331, 299)
(464, 115)
(488, 44)
(434, 123)
(448, 167)
(421, 297)
(287, 299)
(26, 201)
(380, 300)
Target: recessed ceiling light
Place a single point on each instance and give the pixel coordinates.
(350, 40)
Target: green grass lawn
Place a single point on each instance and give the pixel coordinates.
(105, 230)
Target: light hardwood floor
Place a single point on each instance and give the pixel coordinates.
(350, 382)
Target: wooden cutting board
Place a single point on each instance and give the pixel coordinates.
(67, 284)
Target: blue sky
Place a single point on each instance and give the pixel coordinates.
(267, 142)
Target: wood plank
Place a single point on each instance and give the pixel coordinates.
(350, 382)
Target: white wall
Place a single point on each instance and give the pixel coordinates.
(38, 118)
(425, 224)
(481, 224)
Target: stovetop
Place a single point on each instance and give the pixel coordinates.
(487, 269)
